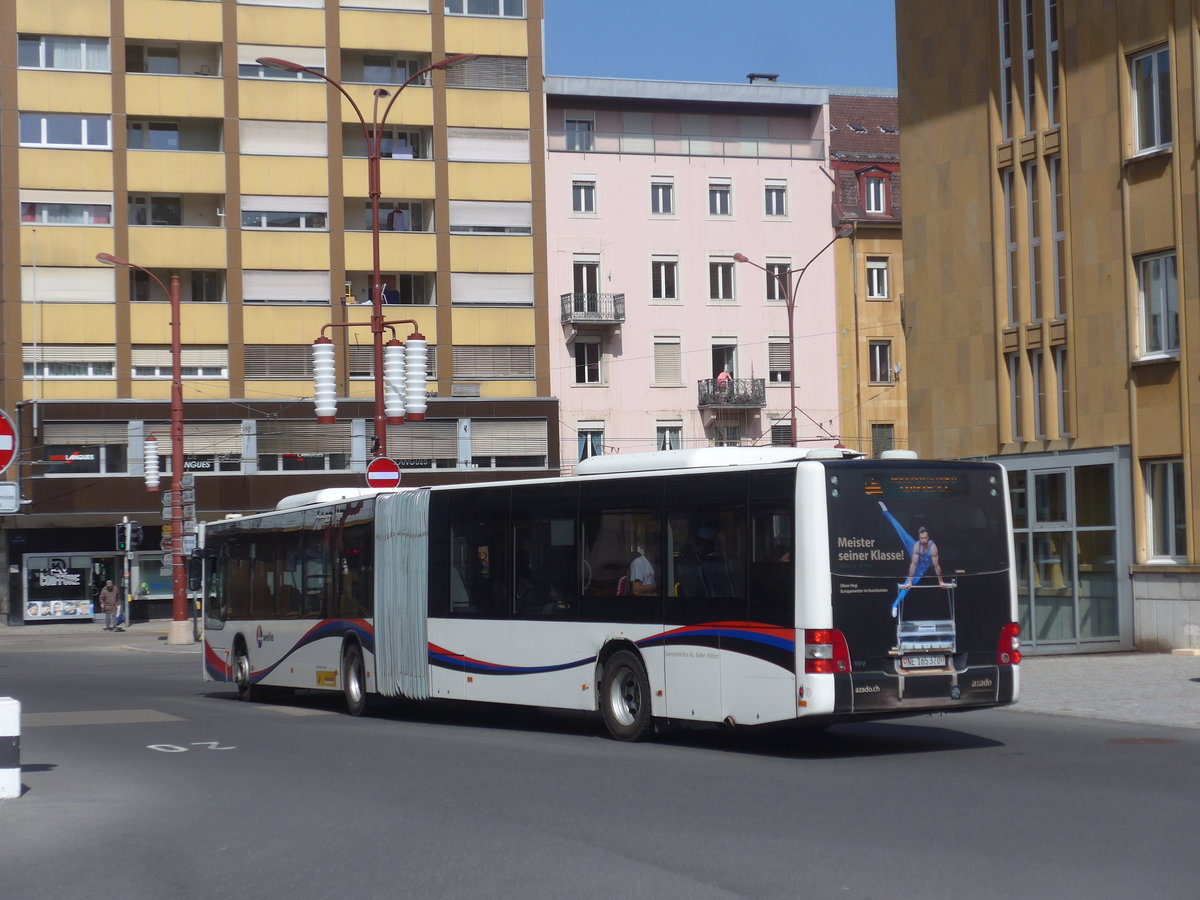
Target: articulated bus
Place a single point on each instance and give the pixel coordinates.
(741, 586)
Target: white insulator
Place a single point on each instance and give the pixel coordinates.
(393, 381)
(414, 378)
(324, 380)
(150, 463)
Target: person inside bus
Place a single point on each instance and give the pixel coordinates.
(642, 579)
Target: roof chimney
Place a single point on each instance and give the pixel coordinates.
(756, 77)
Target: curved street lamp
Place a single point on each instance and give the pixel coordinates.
(789, 286)
(372, 133)
(180, 632)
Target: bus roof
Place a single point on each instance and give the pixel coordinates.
(706, 458)
(331, 495)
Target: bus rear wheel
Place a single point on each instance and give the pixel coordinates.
(354, 680)
(625, 697)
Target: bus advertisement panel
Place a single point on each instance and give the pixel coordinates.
(921, 573)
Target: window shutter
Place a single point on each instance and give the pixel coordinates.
(285, 287)
(189, 356)
(361, 360)
(270, 203)
(667, 363)
(779, 357)
(313, 57)
(423, 440)
(279, 361)
(303, 436)
(68, 284)
(85, 433)
(508, 437)
(68, 353)
(487, 145)
(506, 73)
(493, 363)
(489, 287)
(489, 214)
(283, 138)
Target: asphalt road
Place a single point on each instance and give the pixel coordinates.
(142, 781)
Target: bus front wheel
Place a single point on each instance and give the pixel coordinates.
(354, 681)
(241, 674)
(625, 697)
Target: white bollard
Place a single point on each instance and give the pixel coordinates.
(10, 748)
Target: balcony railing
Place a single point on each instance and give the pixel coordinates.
(738, 393)
(684, 145)
(593, 309)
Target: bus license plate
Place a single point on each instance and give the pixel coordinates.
(923, 662)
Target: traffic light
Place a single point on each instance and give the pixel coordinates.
(122, 534)
(135, 535)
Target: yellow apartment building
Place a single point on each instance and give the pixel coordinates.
(148, 129)
(1051, 316)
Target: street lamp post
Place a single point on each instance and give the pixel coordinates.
(789, 286)
(180, 631)
(372, 133)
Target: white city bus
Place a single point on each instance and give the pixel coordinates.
(730, 585)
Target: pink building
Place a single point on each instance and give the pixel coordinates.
(662, 338)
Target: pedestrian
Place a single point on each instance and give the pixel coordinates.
(110, 603)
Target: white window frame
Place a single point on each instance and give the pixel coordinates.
(722, 280)
(86, 213)
(1159, 114)
(1032, 211)
(583, 196)
(777, 278)
(1158, 301)
(1037, 363)
(506, 9)
(775, 198)
(1007, 191)
(84, 42)
(875, 194)
(779, 353)
(1058, 229)
(879, 362)
(877, 278)
(662, 196)
(668, 435)
(671, 355)
(1013, 365)
(660, 266)
(1165, 502)
(1062, 389)
(720, 198)
(592, 369)
(43, 141)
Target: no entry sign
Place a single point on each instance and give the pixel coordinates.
(383, 472)
(8, 441)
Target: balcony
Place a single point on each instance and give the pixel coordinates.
(626, 143)
(593, 309)
(739, 393)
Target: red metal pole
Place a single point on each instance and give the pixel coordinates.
(374, 189)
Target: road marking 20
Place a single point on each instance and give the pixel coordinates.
(172, 748)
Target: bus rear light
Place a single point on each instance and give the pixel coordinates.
(1008, 653)
(825, 652)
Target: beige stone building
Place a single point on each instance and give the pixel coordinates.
(1050, 237)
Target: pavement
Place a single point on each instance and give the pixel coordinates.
(1141, 688)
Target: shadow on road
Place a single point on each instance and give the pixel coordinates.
(787, 740)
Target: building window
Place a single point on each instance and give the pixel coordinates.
(1032, 194)
(1036, 359)
(1059, 230)
(159, 59)
(304, 221)
(583, 196)
(1166, 509)
(669, 436)
(145, 135)
(668, 362)
(1052, 77)
(580, 134)
(720, 280)
(68, 369)
(664, 278)
(587, 362)
(778, 275)
(1010, 241)
(378, 69)
(1063, 390)
(1030, 70)
(727, 436)
(591, 442)
(776, 198)
(495, 73)
(64, 130)
(1006, 78)
(662, 197)
(720, 197)
(84, 459)
(254, 70)
(875, 189)
(1012, 363)
(779, 362)
(1159, 304)
(73, 53)
(1150, 74)
(877, 277)
(66, 214)
(513, 9)
(880, 360)
(883, 438)
(781, 435)
(208, 286)
(396, 215)
(145, 209)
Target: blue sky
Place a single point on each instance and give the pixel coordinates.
(833, 43)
